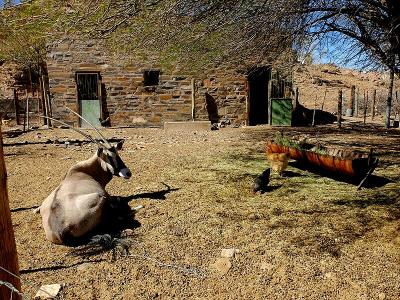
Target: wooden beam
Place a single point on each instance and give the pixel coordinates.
(8, 252)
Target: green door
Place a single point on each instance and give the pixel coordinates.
(281, 111)
(89, 98)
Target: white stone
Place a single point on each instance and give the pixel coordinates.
(229, 252)
(49, 291)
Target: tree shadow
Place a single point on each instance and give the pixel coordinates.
(373, 181)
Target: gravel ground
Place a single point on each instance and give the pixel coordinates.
(310, 237)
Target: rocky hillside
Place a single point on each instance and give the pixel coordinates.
(320, 84)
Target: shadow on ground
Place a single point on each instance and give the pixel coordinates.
(373, 181)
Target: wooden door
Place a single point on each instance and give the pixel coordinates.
(89, 98)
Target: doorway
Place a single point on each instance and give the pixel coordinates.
(88, 85)
(258, 95)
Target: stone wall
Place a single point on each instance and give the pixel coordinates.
(6, 81)
(128, 102)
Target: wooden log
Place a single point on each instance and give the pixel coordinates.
(339, 111)
(8, 252)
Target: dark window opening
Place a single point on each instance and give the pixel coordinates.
(151, 77)
(87, 84)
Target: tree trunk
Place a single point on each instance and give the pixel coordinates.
(8, 252)
(389, 99)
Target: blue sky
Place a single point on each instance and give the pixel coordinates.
(2, 2)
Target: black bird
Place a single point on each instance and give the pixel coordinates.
(261, 182)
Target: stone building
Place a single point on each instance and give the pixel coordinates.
(82, 77)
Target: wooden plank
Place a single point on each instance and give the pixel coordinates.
(8, 252)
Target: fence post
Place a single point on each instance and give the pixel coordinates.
(365, 106)
(16, 107)
(373, 105)
(350, 109)
(356, 102)
(339, 112)
(8, 252)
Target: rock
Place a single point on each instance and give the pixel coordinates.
(127, 232)
(266, 266)
(382, 296)
(222, 265)
(49, 291)
(229, 252)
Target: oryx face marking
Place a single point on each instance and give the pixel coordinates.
(113, 161)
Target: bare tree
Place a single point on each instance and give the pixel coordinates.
(371, 29)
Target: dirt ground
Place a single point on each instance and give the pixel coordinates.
(309, 237)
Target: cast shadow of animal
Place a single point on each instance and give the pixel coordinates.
(373, 181)
(118, 217)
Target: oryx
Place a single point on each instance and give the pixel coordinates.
(79, 204)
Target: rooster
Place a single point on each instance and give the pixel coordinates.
(261, 182)
(278, 161)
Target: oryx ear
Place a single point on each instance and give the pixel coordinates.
(119, 145)
(99, 151)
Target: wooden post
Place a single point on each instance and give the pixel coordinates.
(356, 101)
(27, 111)
(365, 106)
(389, 98)
(352, 100)
(339, 112)
(42, 94)
(296, 98)
(193, 99)
(16, 107)
(373, 105)
(323, 101)
(8, 252)
(270, 94)
(315, 107)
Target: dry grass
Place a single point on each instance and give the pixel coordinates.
(310, 237)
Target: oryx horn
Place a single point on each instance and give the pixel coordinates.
(75, 129)
(91, 125)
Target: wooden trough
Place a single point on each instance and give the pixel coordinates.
(353, 165)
